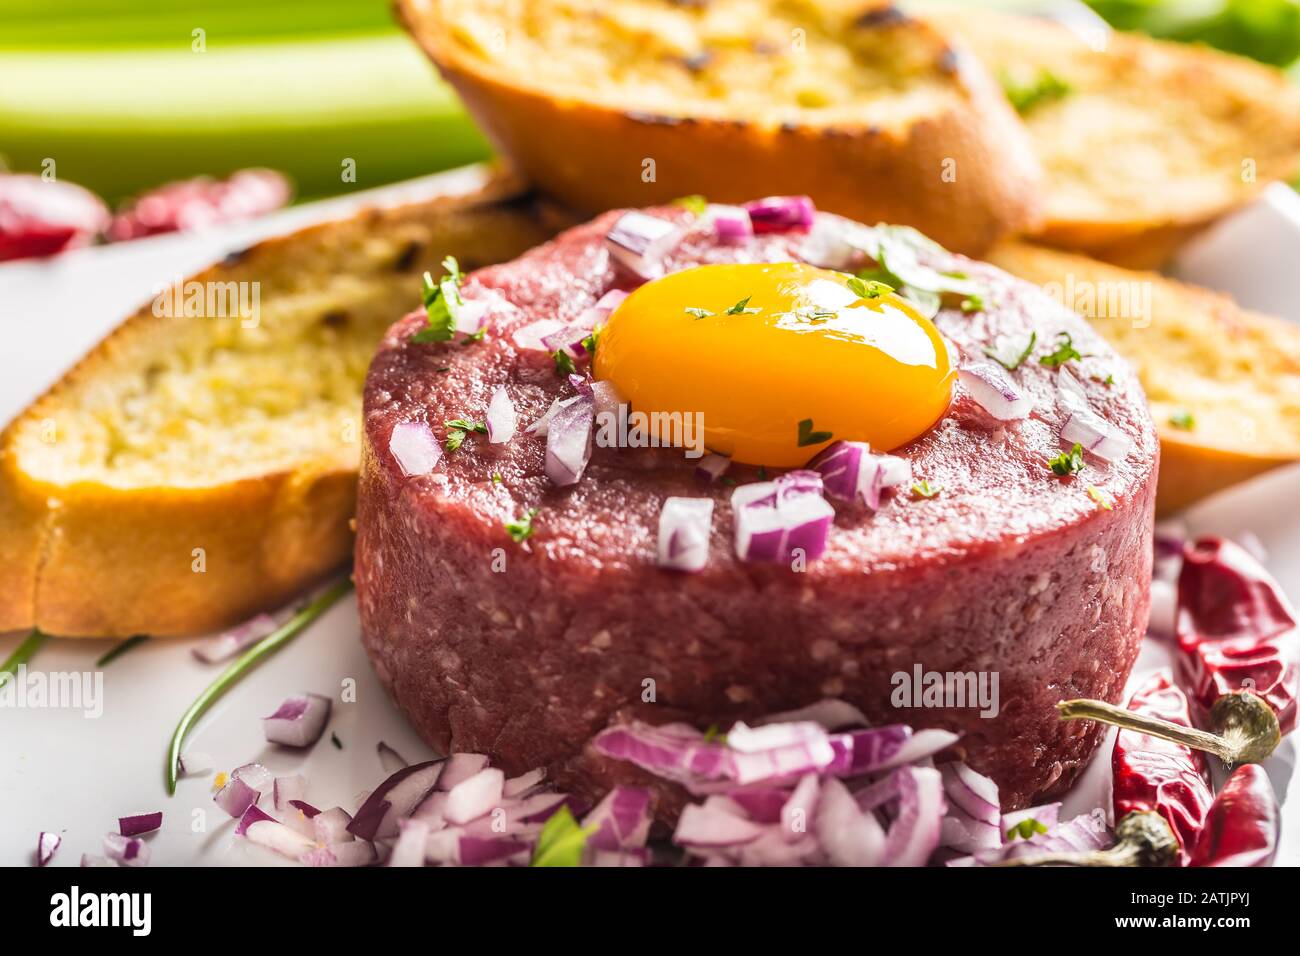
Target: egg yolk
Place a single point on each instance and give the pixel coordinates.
(779, 358)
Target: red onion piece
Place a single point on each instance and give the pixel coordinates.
(501, 418)
(331, 826)
(994, 391)
(409, 848)
(299, 721)
(529, 338)
(836, 243)
(602, 858)
(138, 823)
(711, 467)
(875, 749)
(357, 853)
(849, 836)
(472, 798)
(799, 812)
(774, 519)
(230, 643)
(461, 767)
(568, 441)
(394, 799)
(762, 805)
(481, 851)
(253, 774)
(850, 471)
(684, 527)
(298, 816)
(236, 797)
(831, 714)
(524, 784)
(1095, 434)
(470, 316)
(47, 844)
(917, 826)
(707, 826)
(90, 859)
(262, 829)
(1048, 814)
(568, 339)
(781, 213)
(126, 851)
(193, 763)
(285, 789)
(389, 759)
(621, 820)
(414, 448)
(605, 398)
(974, 819)
(639, 242)
(731, 224)
(1083, 833)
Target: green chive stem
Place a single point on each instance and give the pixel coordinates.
(117, 650)
(23, 653)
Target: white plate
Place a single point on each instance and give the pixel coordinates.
(73, 773)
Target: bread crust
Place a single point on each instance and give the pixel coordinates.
(964, 177)
(91, 559)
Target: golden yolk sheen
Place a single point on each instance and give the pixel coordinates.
(803, 347)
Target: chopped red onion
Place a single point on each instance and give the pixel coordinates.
(230, 643)
(285, 789)
(194, 762)
(850, 471)
(138, 823)
(409, 848)
(1048, 814)
(470, 316)
(849, 836)
(474, 797)
(707, 826)
(621, 820)
(568, 339)
(331, 826)
(915, 832)
(730, 224)
(761, 804)
(1083, 833)
(831, 714)
(568, 441)
(90, 859)
(602, 858)
(711, 467)
(357, 853)
(389, 759)
(524, 784)
(264, 830)
(608, 302)
(684, 526)
(1095, 434)
(974, 819)
(835, 243)
(253, 774)
(299, 721)
(884, 748)
(501, 417)
(639, 243)
(605, 398)
(774, 519)
(481, 851)
(126, 851)
(994, 391)
(781, 213)
(798, 813)
(529, 338)
(394, 799)
(460, 767)
(47, 844)
(414, 448)
(298, 815)
(236, 797)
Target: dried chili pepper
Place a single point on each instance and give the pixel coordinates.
(1240, 659)
(1161, 789)
(1243, 825)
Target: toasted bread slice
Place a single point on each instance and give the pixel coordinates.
(193, 470)
(1223, 383)
(607, 103)
(1143, 141)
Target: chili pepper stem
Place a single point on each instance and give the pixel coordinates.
(1249, 729)
(1143, 838)
(243, 664)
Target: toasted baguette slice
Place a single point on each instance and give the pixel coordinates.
(191, 471)
(606, 103)
(1147, 140)
(1223, 383)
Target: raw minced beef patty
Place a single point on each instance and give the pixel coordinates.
(1009, 570)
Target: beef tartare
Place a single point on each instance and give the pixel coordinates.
(523, 586)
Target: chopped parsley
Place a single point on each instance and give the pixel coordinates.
(1068, 462)
(1183, 419)
(1005, 354)
(865, 288)
(589, 343)
(1065, 352)
(496, 477)
(923, 489)
(1044, 88)
(441, 299)
(564, 362)
(334, 739)
(472, 337)
(809, 437)
(696, 203)
(742, 307)
(1099, 496)
(522, 529)
(700, 313)
(973, 303)
(561, 841)
(714, 735)
(1026, 828)
(458, 429)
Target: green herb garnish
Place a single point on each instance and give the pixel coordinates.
(244, 663)
(458, 429)
(714, 735)
(561, 841)
(923, 489)
(522, 529)
(1065, 352)
(591, 341)
(564, 362)
(973, 303)
(1014, 361)
(1025, 829)
(1046, 87)
(496, 477)
(1183, 419)
(22, 654)
(441, 299)
(695, 203)
(868, 288)
(809, 437)
(118, 650)
(334, 739)
(741, 307)
(1068, 462)
(1099, 496)
(700, 313)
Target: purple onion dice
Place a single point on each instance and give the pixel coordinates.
(414, 448)
(299, 721)
(684, 526)
(782, 519)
